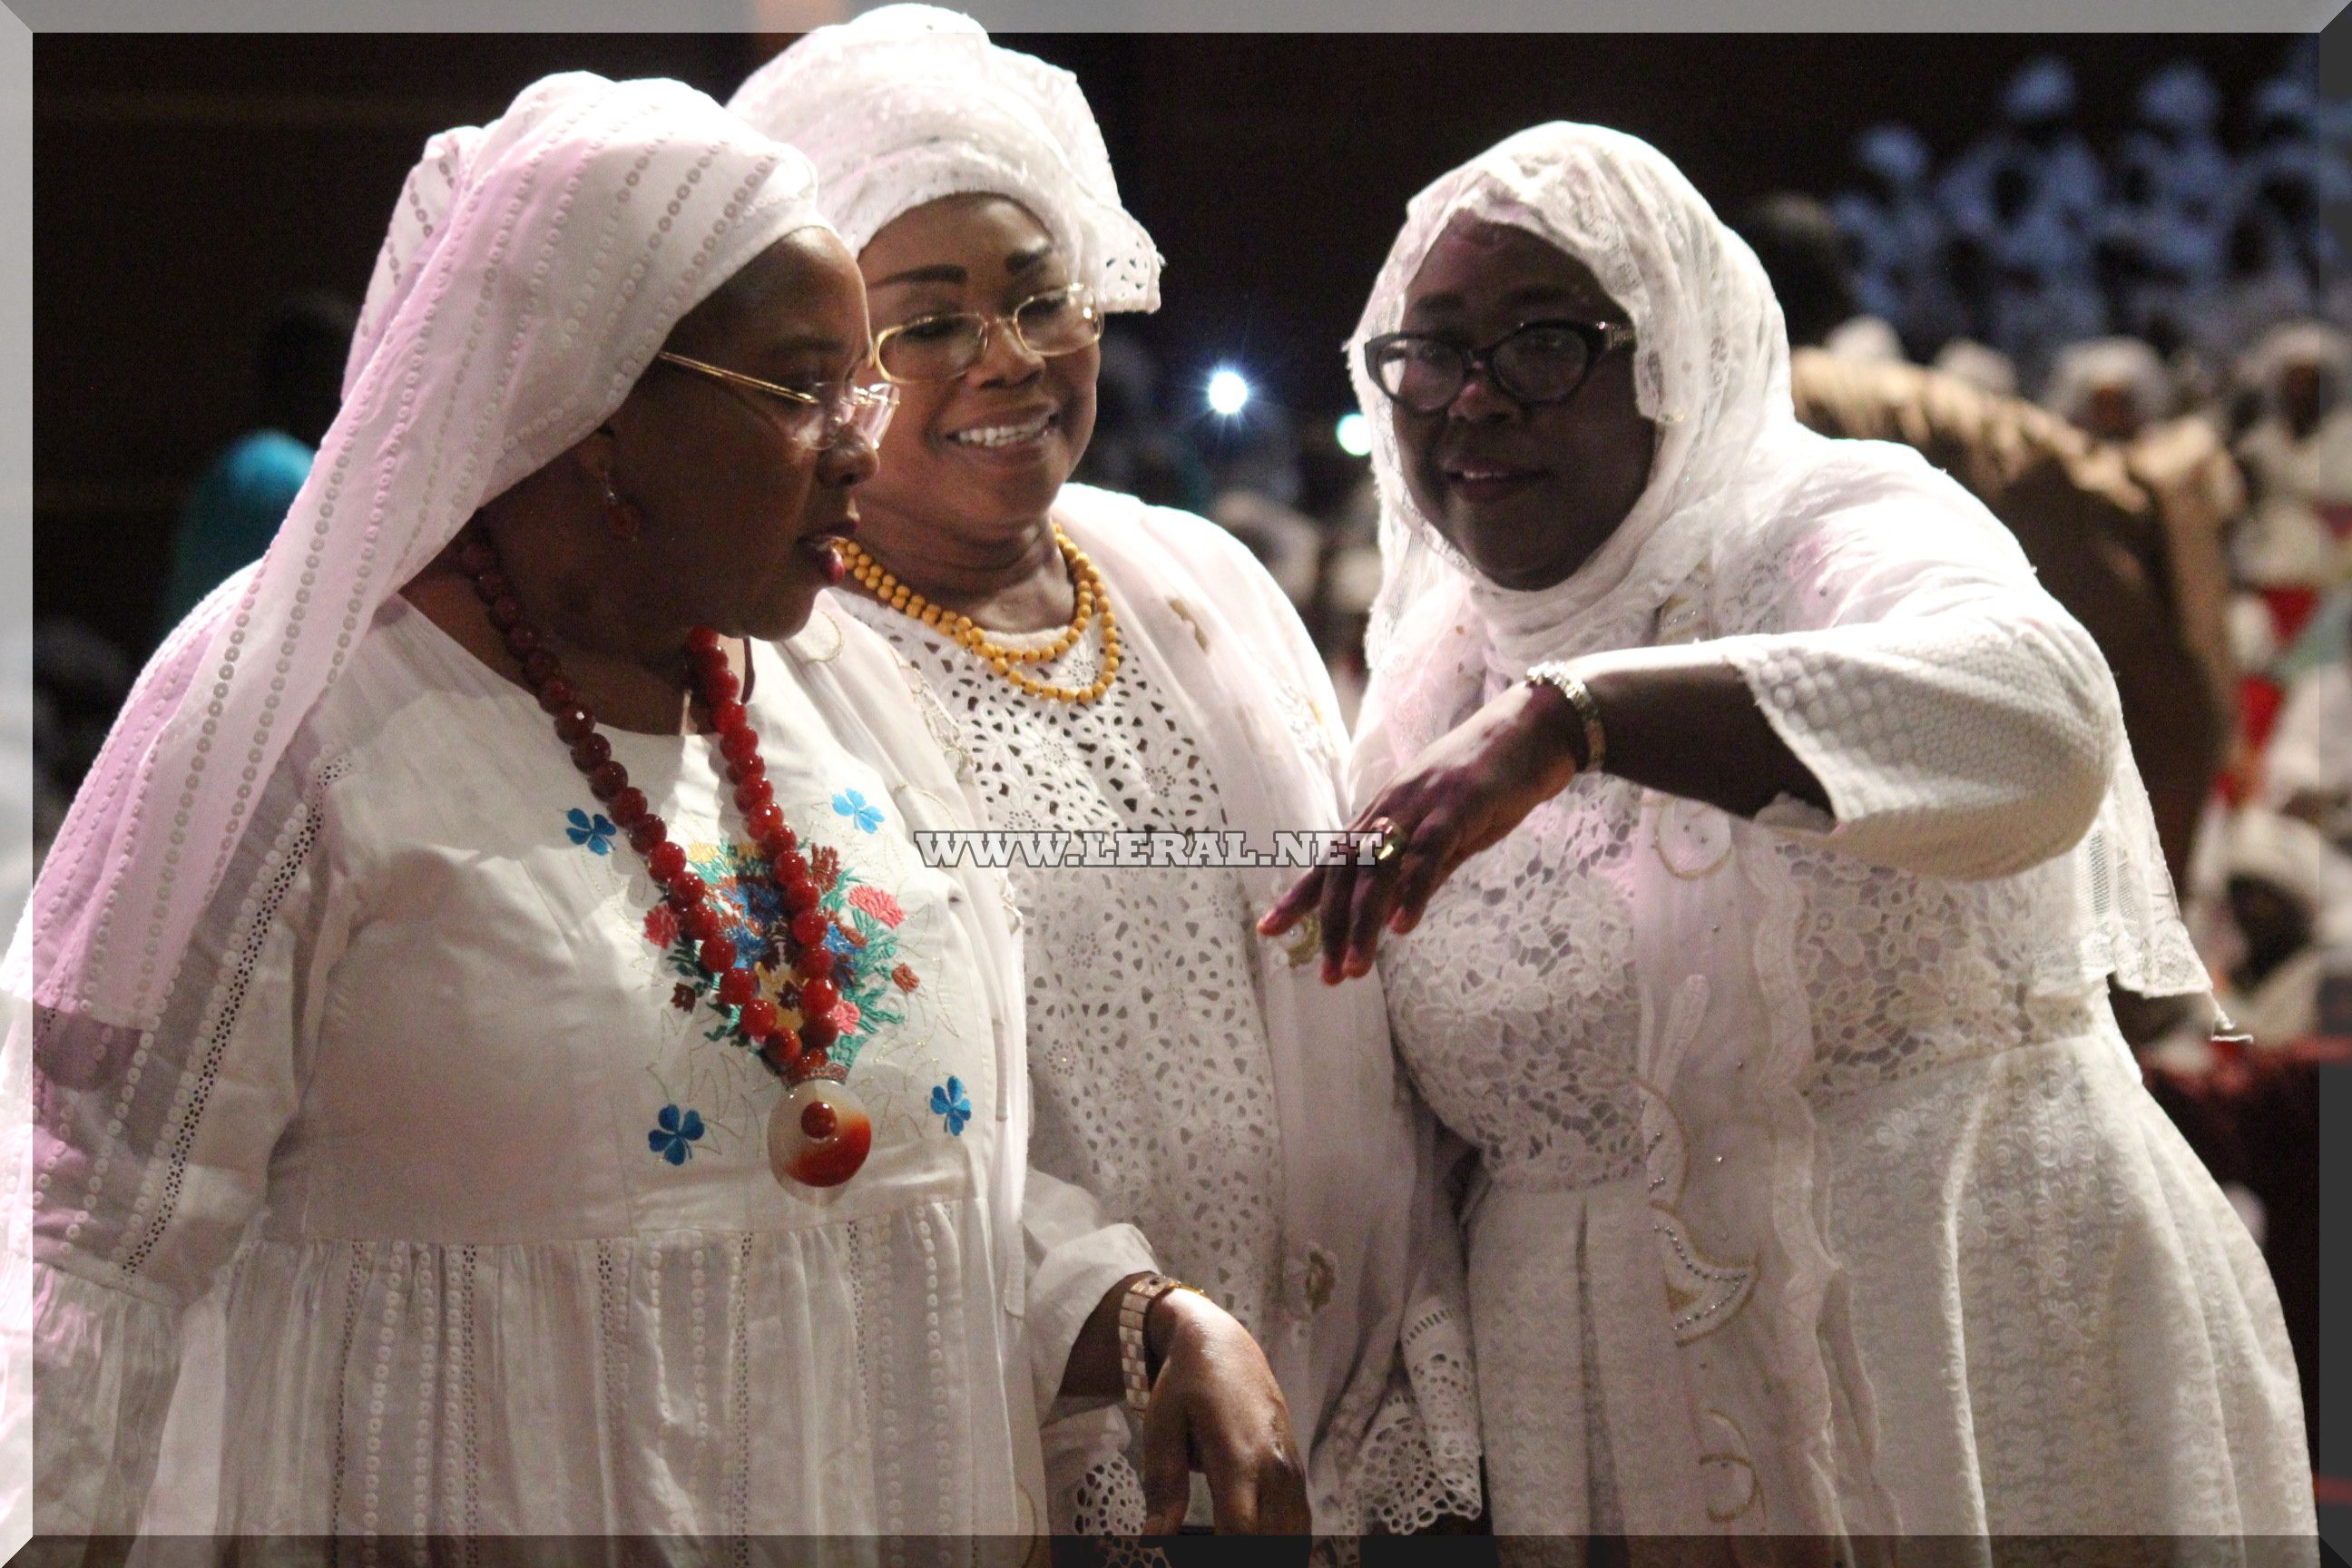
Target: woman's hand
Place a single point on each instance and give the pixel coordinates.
(1216, 1407)
(1465, 793)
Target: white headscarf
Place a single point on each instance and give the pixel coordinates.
(532, 270)
(2083, 368)
(1710, 369)
(911, 103)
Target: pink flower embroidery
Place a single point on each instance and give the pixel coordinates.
(846, 1015)
(661, 925)
(877, 903)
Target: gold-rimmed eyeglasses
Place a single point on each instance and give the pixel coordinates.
(814, 421)
(941, 347)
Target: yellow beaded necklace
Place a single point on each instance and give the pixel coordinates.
(871, 575)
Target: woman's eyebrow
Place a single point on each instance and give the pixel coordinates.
(938, 272)
(1021, 261)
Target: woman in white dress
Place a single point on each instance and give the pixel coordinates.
(428, 943)
(1130, 668)
(1761, 840)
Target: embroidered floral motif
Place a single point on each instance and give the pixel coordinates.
(952, 1105)
(877, 903)
(675, 1134)
(863, 938)
(593, 832)
(661, 925)
(852, 804)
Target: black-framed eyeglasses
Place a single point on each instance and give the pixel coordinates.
(1542, 362)
(943, 346)
(814, 421)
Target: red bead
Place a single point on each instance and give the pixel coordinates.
(753, 793)
(817, 1034)
(737, 986)
(718, 955)
(792, 867)
(816, 962)
(556, 695)
(739, 744)
(818, 1121)
(492, 585)
(784, 1048)
(702, 639)
(477, 556)
(687, 890)
(574, 722)
(809, 928)
(607, 780)
(505, 611)
(718, 688)
(801, 899)
(819, 996)
(750, 768)
(591, 751)
(626, 806)
(764, 819)
(648, 834)
(777, 845)
(727, 713)
(664, 859)
(522, 641)
(540, 667)
(700, 922)
(758, 1018)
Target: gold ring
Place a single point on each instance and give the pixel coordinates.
(1391, 839)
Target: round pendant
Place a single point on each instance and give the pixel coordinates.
(819, 1134)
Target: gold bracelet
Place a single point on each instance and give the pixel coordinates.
(1134, 1306)
(1579, 697)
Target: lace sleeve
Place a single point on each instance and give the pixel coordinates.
(1962, 724)
(148, 1153)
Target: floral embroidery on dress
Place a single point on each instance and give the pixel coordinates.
(675, 1134)
(862, 936)
(952, 1105)
(594, 833)
(852, 806)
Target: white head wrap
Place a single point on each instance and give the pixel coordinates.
(911, 103)
(2083, 368)
(532, 270)
(1711, 369)
(2299, 342)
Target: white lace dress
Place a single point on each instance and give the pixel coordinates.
(1156, 1086)
(1819, 1193)
(516, 1262)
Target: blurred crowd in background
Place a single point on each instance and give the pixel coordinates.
(2133, 351)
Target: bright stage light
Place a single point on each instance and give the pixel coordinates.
(1355, 436)
(1228, 393)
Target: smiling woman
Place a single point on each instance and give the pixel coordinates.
(1114, 667)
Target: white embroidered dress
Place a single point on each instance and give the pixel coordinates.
(516, 1261)
(1257, 1171)
(1817, 1193)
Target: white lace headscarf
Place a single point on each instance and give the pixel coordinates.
(1710, 370)
(532, 270)
(911, 103)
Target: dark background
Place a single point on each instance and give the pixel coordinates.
(185, 184)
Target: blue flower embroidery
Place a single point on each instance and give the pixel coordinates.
(836, 943)
(852, 804)
(593, 831)
(950, 1102)
(676, 1131)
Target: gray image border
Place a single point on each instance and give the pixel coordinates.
(21, 19)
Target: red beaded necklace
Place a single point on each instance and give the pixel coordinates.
(819, 1133)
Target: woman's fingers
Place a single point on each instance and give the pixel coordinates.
(1426, 866)
(1232, 1488)
(1282, 1505)
(1375, 896)
(1292, 906)
(1166, 1467)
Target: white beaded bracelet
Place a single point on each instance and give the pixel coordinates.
(1579, 697)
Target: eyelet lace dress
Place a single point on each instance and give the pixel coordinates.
(1155, 1083)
